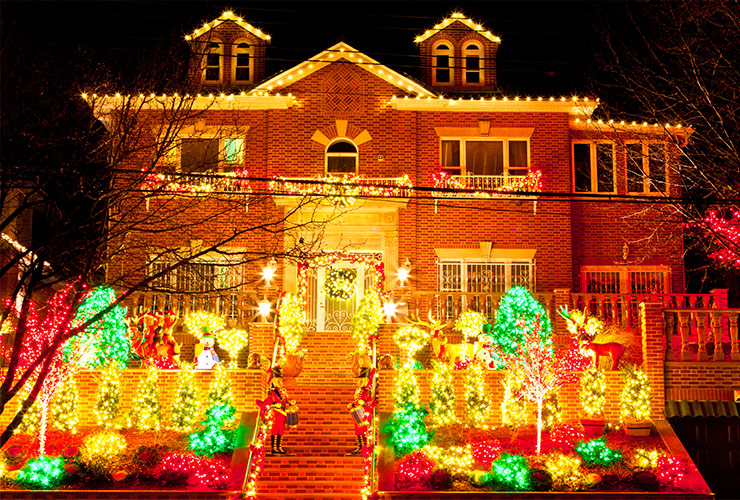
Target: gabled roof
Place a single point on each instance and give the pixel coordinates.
(343, 51)
(227, 16)
(454, 17)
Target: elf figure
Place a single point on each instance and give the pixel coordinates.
(278, 400)
(361, 409)
(205, 355)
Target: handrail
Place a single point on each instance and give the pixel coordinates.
(257, 426)
(372, 421)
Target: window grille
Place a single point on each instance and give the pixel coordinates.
(627, 279)
(479, 276)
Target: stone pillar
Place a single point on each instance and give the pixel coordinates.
(653, 353)
(562, 335)
(261, 338)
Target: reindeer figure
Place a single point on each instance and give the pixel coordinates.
(443, 350)
(595, 351)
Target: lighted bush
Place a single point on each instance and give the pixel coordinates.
(103, 446)
(565, 437)
(511, 473)
(596, 452)
(564, 470)
(213, 439)
(670, 470)
(485, 452)
(414, 471)
(41, 473)
(186, 468)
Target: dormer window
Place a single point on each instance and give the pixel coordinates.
(442, 63)
(242, 67)
(341, 158)
(473, 57)
(213, 61)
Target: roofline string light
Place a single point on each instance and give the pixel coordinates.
(458, 16)
(227, 16)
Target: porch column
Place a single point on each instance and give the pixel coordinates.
(653, 352)
(562, 299)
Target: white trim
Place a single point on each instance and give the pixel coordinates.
(355, 155)
(461, 18)
(207, 51)
(480, 52)
(344, 51)
(505, 146)
(450, 53)
(645, 164)
(227, 16)
(235, 51)
(572, 107)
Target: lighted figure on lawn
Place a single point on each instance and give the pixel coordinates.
(585, 329)
(361, 408)
(205, 355)
(281, 406)
(153, 340)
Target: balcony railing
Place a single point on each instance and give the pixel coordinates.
(343, 186)
(447, 306)
(487, 186)
(242, 307)
(701, 334)
(198, 183)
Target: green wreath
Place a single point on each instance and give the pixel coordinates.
(339, 283)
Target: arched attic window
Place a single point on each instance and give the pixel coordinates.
(473, 57)
(341, 158)
(242, 62)
(213, 62)
(442, 63)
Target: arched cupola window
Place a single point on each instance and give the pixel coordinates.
(341, 158)
(473, 60)
(213, 62)
(442, 63)
(242, 62)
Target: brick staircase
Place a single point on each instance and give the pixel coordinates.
(325, 431)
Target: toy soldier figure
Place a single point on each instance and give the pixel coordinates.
(278, 400)
(361, 409)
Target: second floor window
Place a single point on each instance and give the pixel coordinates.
(190, 277)
(212, 63)
(646, 167)
(593, 167)
(442, 63)
(481, 276)
(341, 158)
(202, 155)
(242, 63)
(473, 57)
(494, 157)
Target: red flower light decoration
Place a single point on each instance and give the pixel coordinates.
(670, 470)
(414, 470)
(565, 437)
(485, 452)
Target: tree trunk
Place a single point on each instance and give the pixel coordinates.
(539, 425)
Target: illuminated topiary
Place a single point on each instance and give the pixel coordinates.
(219, 392)
(32, 419)
(477, 398)
(233, 341)
(635, 397)
(367, 320)
(406, 392)
(407, 430)
(147, 412)
(552, 414)
(108, 397)
(593, 391)
(442, 403)
(517, 315)
(185, 407)
(470, 323)
(291, 321)
(511, 472)
(41, 473)
(106, 340)
(64, 406)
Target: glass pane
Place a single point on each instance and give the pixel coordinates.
(634, 168)
(443, 76)
(517, 154)
(342, 147)
(484, 157)
(656, 167)
(450, 153)
(232, 150)
(582, 164)
(242, 74)
(213, 74)
(605, 168)
(472, 62)
(450, 276)
(341, 164)
(199, 155)
(472, 77)
(213, 60)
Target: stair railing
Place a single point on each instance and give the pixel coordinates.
(258, 424)
(372, 421)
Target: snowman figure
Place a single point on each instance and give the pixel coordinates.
(205, 355)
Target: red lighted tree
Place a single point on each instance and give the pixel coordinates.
(540, 371)
(724, 231)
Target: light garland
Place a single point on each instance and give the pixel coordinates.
(185, 407)
(366, 321)
(258, 455)
(530, 183)
(227, 16)
(204, 323)
(147, 412)
(237, 181)
(233, 341)
(291, 321)
(442, 403)
(342, 191)
(340, 283)
(108, 397)
(462, 18)
(103, 446)
(477, 400)
(64, 407)
(593, 391)
(564, 470)
(597, 452)
(326, 259)
(635, 397)
(456, 459)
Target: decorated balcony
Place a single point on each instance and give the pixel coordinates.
(487, 186)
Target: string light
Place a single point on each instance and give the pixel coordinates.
(410, 339)
(42, 473)
(593, 391)
(564, 470)
(204, 323)
(477, 401)
(597, 452)
(442, 402)
(486, 451)
(147, 412)
(237, 181)
(342, 191)
(108, 397)
(458, 17)
(724, 230)
(511, 471)
(227, 16)
(64, 408)
(366, 321)
(213, 439)
(185, 407)
(414, 470)
(530, 183)
(646, 459)
(219, 391)
(635, 397)
(233, 341)
(201, 471)
(456, 459)
(291, 321)
(670, 471)
(340, 283)
(103, 446)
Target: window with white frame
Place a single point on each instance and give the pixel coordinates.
(646, 167)
(213, 62)
(625, 279)
(194, 277)
(593, 167)
(341, 158)
(442, 63)
(482, 275)
(473, 60)
(242, 62)
(209, 154)
(484, 156)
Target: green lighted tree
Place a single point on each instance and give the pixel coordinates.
(219, 392)
(184, 412)
(213, 438)
(406, 427)
(517, 315)
(110, 333)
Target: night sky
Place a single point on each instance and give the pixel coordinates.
(547, 47)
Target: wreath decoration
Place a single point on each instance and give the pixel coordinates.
(339, 283)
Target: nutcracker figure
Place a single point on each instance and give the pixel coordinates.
(278, 400)
(361, 409)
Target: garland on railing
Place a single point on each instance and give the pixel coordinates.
(530, 183)
(341, 190)
(155, 181)
(258, 456)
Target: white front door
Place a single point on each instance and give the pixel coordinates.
(334, 314)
